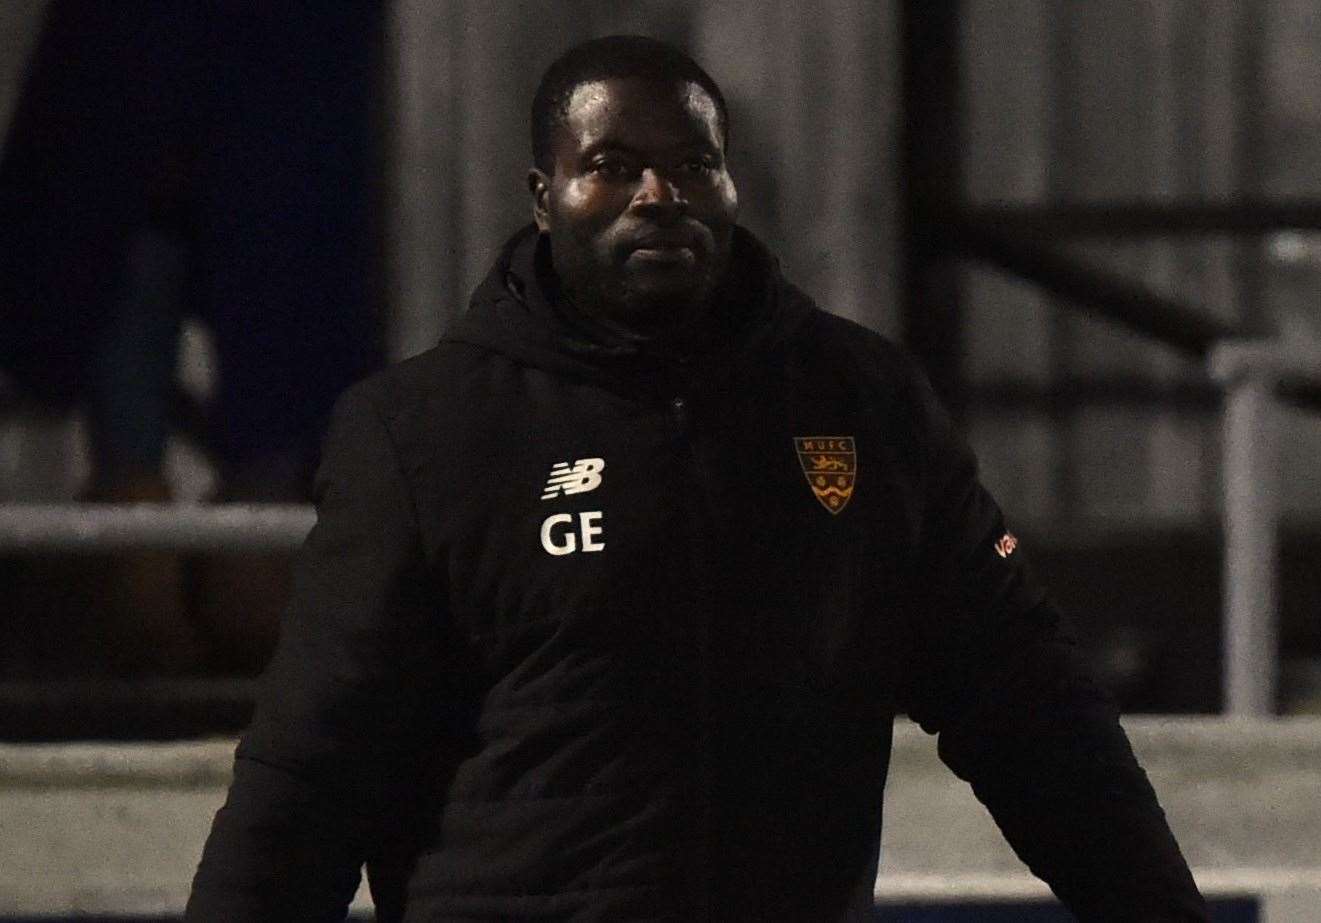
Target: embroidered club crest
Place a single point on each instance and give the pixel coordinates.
(830, 464)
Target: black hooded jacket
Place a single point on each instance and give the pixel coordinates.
(592, 631)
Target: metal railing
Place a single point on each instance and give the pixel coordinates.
(98, 527)
(941, 225)
(1251, 372)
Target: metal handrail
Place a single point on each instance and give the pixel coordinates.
(1250, 371)
(1124, 219)
(99, 527)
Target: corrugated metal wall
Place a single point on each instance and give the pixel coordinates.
(1136, 99)
(1102, 102)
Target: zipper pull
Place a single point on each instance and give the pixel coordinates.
(679, 407)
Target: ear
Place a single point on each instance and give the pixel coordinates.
(538, 184)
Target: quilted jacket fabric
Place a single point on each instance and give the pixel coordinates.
(586, 631)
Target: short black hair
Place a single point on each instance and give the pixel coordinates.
(602, 59)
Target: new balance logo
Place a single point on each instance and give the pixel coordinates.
(585, 475)
(558, 535)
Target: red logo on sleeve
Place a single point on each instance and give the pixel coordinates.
(1005, 547)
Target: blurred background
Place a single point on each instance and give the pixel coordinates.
(218, 215)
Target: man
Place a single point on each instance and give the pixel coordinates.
(614, 594)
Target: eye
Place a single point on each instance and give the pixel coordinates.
(699, 165)
(611, 167)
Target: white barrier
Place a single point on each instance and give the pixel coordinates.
(100, 527)
(1248, 370)
(1242, 796)
(117, 829)
(1250, 632)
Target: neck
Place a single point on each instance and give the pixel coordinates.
(640, 324)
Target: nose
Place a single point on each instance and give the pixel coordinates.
(656, 192)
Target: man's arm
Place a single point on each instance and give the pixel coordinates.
(1019, 717)
(340, 722)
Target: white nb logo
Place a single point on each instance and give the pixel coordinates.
(585, 475)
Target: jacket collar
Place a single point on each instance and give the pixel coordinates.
(517, 311)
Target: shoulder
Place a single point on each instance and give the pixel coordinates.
(817, 335)
(439, 369)
(889, 385)
(878, 366)
(410, 410)
(880, 354)
(408, 391)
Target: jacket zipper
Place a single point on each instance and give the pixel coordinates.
(705, 846)
(679, 409)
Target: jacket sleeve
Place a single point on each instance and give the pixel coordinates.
(1017, 714)
(340, 719)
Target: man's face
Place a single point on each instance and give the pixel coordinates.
(640, 208)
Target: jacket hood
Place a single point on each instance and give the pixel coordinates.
(515, 311)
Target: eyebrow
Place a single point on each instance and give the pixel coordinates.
(606, 144)
(613, 146)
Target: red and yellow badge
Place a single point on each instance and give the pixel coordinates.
(830, 464)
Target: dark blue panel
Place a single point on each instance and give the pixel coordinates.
(1223, 910)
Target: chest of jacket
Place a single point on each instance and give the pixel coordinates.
(753, 527)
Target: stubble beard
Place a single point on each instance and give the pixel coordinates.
(614, 299)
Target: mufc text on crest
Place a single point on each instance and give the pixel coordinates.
(830, 464)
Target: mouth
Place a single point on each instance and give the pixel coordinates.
(665, 254)
(663, 249)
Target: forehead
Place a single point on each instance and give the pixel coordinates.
(640, 112)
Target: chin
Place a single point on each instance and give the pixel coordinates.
(661, 300)
(669, 284)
